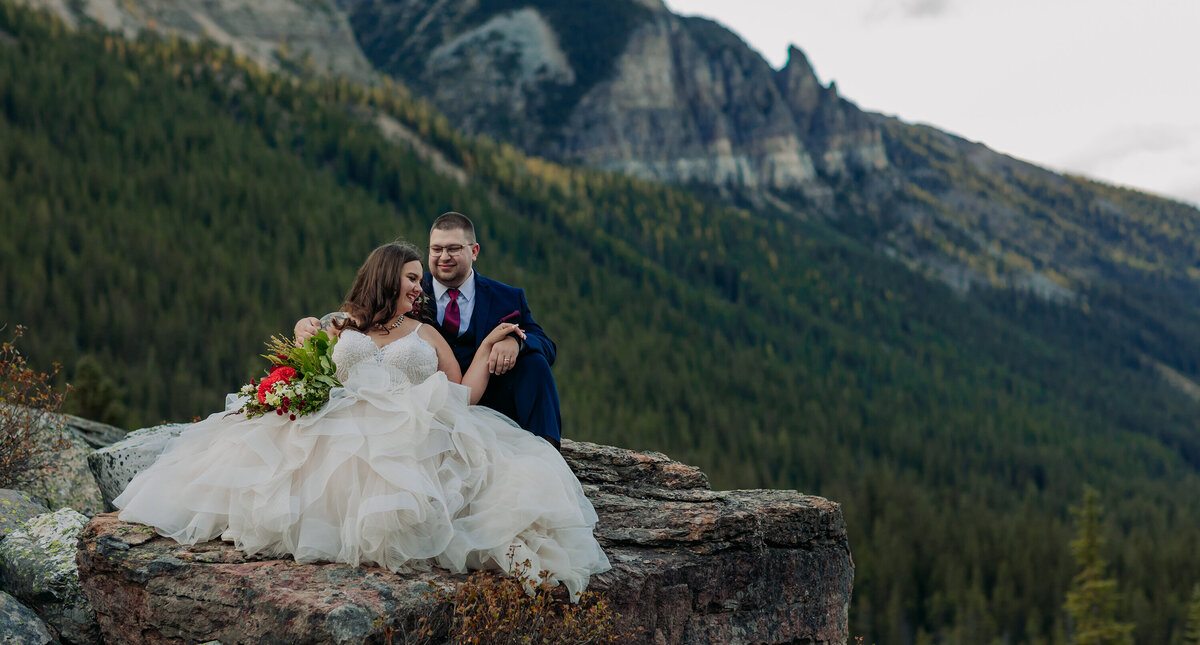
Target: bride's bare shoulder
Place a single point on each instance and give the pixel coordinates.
(430, 334)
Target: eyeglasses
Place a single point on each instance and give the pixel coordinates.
(452, 251)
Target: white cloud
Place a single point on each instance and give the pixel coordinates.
(1097, 87)
(888, 9)
(1162, 159)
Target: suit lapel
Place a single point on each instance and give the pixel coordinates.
(483, 308)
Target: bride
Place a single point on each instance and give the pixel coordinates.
(398, 469)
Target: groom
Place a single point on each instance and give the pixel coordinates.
(468, 306)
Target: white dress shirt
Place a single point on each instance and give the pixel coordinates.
(466, 301)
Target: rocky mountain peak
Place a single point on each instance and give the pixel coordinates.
(653, 5)
(798, 83)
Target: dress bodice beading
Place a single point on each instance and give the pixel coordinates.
(408, 360)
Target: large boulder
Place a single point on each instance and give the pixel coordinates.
(37, 565)
(16, 508)
(65, 480)
(690, 565)
(68, 482)
(113, 466)
(96, 434)
(19, 625)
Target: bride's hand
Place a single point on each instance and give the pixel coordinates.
(306, 328)
(502, 347)
(502, 331)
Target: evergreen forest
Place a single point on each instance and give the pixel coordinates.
(167, 207)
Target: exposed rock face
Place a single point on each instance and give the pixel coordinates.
(114, 466)
(59, 476)
(37, 564)
(506, 63)
(627, 86)
(662, 97)
(19, 625)
(67, 482)
(94, 433)
(273, 33)
(675, 110)
(690, 565)
(16, 508)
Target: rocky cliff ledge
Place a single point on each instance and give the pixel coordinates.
(690, 565)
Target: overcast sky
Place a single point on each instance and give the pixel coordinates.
(1105, 88)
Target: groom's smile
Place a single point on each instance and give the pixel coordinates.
(451, 255)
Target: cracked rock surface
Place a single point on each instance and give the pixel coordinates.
(37, 565)
(690, 565)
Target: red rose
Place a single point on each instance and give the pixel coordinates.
(265, 387)
(285, 374)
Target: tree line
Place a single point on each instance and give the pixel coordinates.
(170, 206)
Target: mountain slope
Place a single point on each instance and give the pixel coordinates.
(625, 85)
(170, 206)
(684, 100)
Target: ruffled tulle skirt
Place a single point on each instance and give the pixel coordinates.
(400, 477)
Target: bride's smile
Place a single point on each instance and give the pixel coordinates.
(410, 286)
(398, 469)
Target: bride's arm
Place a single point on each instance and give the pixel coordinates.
(446, 361)
(477, 374)
(306, 328)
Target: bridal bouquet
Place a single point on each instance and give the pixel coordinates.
(299, 380)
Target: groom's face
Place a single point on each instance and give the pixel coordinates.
(451, 264)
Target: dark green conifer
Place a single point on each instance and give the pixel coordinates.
(1093, 599)
(1191, 634)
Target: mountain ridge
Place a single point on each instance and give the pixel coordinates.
(629, 86)
(157, 186)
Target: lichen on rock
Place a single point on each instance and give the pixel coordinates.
(690, 565)
(19, 624)
(37, 565)
(16, 508)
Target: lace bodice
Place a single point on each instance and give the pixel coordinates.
(410, 357)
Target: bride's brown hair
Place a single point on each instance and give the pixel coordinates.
(372, 300)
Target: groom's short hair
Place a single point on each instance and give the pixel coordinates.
(452, 221)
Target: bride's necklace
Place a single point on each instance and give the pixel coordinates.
(399, 321)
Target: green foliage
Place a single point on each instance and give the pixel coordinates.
(167, 206)
(29, 434)
(94, 394)
(1191, 635)
(1093, 601)
(299, 381)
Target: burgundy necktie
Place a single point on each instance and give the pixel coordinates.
(450, 320)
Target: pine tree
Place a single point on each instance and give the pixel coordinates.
(1191, 634)
(1092, 600)
(94, 394)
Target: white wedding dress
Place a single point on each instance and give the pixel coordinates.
(396, 470)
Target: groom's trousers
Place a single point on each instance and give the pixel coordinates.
(527, 394)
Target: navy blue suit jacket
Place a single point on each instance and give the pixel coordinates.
(493, 301)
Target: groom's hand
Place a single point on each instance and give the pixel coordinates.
(504, 356)
(306, 328)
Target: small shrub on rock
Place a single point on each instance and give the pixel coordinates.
(489, 609)
(28, 406)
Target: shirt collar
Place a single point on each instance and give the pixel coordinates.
(466, 291)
